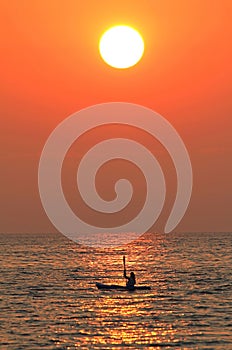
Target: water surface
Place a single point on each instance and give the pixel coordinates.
(48, 297)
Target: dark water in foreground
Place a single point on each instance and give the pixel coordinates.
(48, 297)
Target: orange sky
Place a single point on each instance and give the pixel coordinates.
(50, 68)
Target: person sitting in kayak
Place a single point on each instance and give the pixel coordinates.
(130, 280)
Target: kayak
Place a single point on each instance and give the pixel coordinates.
(118, 287)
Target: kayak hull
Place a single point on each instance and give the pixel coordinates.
(118, 287)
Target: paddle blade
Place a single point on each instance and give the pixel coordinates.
(124, 262)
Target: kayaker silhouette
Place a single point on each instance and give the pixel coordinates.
(130, 284)
(131, 281)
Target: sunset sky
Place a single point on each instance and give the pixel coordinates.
(51, 68)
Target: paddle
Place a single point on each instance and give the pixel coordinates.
(124, 265)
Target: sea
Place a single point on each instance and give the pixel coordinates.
(49, 300)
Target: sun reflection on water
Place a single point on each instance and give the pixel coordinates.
(124, 318)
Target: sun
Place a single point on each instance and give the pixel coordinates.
(121, 46)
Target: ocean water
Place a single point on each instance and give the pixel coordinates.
(48, 297)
